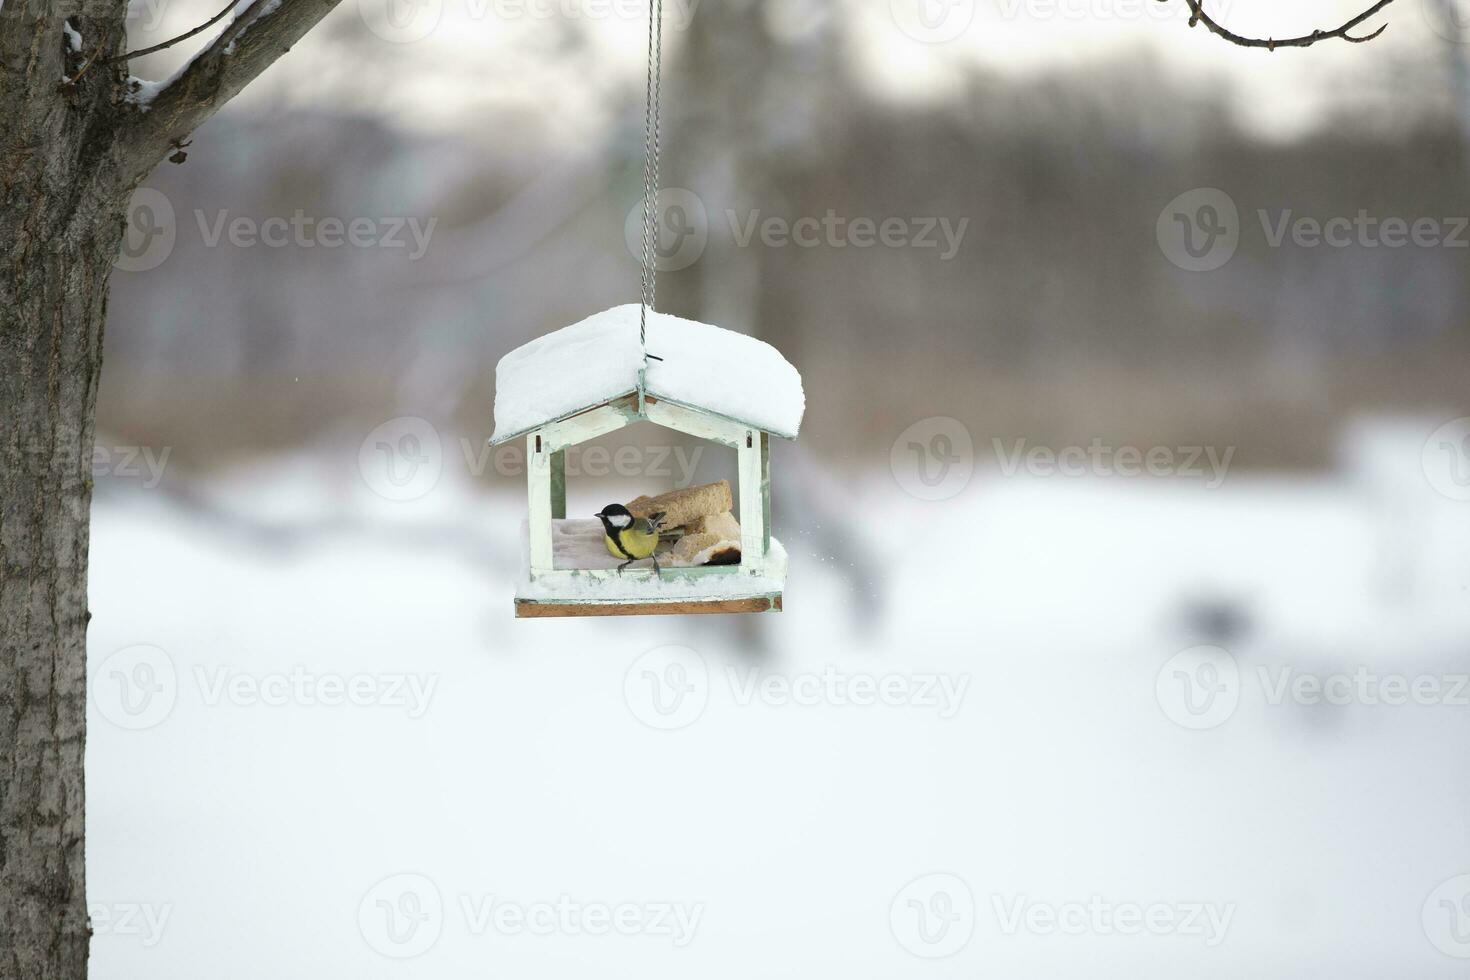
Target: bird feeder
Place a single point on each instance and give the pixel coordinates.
(592, 378)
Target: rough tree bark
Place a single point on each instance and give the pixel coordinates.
(73, 148)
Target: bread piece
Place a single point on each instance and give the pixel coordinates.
(682, 506)
(723, 524)
(707, 549)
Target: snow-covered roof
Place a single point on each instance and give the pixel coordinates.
(598, 359)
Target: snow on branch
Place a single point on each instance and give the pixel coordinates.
(261, 32)
(1198, 16)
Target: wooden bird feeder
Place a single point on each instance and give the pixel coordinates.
(592, 378)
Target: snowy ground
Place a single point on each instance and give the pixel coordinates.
(338, 755)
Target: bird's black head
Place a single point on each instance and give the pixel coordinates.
(615, 517)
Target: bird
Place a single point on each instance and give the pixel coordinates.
(629, 537)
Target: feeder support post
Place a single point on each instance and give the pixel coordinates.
(538, 495)
(559, 485)
(766, 492)
(753, 505)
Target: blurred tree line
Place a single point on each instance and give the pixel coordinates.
(1058, 318)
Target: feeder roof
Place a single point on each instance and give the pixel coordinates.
(594, 361)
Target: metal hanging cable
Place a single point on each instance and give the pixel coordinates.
(650, 169)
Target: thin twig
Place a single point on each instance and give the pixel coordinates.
(71, 82)
(1198, 16)
(172, 41)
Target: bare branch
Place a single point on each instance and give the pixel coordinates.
(1198, 16)
(248, 46)
(174, 40)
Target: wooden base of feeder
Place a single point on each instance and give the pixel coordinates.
(586, 582)
(540, 609)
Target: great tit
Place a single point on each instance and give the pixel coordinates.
(630, 537)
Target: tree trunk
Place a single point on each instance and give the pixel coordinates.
(59, 249)
(63, 190)
(75, 140)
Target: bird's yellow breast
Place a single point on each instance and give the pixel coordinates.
(640, 544)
